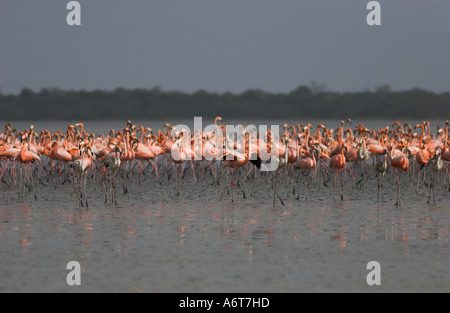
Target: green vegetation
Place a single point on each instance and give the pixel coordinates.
(155, 103)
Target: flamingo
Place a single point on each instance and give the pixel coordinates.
(434, 165)
(212, 154)
(400, 162)
(179, 153)
(381, 167)
(446, 152)
(80, 166)
(338, 163)
(144, 153)
(306, 163)
(423, 155)
(111, 165)
(26, 157)
(56, 151)
(363, 157)
(282, 163)
(235, 160)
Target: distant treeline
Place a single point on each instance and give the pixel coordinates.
(157, 104)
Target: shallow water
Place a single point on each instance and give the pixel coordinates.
(199, 241)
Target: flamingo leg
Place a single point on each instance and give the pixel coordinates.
(77, 188)
(175, 176)
(397, 180)
(243, 192)
(114, 190)
(233, 171)
(306, 190)
(340, 191)
(84, 187)
(193, 171)
(274, 183)
(334, 186)
(104, 178)
(431, 190)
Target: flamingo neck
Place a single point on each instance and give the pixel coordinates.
(421, 138)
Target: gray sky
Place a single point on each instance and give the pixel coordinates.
(226, 45)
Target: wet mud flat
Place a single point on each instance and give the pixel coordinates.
(197, 240)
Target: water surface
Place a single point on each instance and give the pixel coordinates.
(200, 241)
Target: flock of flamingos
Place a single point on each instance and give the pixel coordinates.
(306, 155)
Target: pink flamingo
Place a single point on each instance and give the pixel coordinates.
(26, 157)
(337, 162)
(235, 160)
(80, 166)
